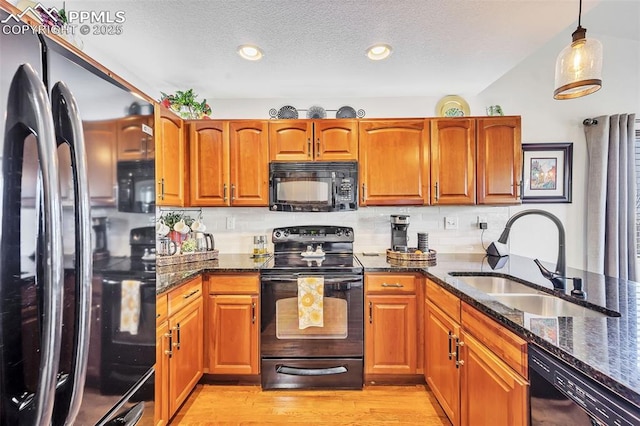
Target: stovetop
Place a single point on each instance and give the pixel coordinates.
(295, 262)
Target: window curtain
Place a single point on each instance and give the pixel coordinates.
(611, 196)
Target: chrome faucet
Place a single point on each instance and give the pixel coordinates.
(557, 277)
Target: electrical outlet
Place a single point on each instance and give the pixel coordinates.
(451, 222)
(231, 222)
(482, 225)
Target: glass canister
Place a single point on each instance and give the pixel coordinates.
(259, 245)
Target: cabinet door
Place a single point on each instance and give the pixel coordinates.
(491, 393)
(233, 334)
(453, 161)
(390, 334)
(499, 160)
(249, 144)
(441, 373)
(336, 140)
(133, 143)
(394, 162)
(186, 362)
(100, 141)
(290, 140)
(209, 163)
(161, 402)
(171, 158)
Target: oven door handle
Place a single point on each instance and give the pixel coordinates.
(292, 278)
(295, 371)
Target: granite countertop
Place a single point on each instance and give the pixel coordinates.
(605, 348)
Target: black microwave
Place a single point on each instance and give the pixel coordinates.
(313, 187)
(136, 186)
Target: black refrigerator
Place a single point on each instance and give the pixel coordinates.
(57, 214)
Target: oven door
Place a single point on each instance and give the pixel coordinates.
(283, 333)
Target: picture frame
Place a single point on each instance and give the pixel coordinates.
(547, 172)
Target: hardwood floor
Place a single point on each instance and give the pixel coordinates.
(249, 405)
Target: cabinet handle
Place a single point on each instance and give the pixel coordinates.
(364, 192)
(318, 148)
(170, 336)
(253, 313)
(519, 187)
(162, 190)
(370, 313)
(233, 192)
(437, 192)
(309, 147)
(394, 285)
(177, 344)
(143, 145)
(459, 362)
(451, 354)
(186, 296)
(224, 192)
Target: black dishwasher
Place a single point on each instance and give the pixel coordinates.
(562, 395)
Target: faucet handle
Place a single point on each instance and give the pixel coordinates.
(544, 271)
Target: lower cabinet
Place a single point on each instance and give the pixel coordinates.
(476, 368)
(232, 327)
(179, 349)
(391, 330)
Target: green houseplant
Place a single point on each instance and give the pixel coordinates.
(185, 104)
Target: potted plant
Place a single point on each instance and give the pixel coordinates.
(171, 219)
(185, 105)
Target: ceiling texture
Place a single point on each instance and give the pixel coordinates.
(317, 48)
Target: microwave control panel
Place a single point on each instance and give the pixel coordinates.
(345, 190)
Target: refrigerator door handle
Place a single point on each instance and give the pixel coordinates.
(28, 112)
(69, 130)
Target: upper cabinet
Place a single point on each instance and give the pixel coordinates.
(394, 162)
(100, 143)
(134, 140)
(309, 140)
(453, 161)
(229, 163)
(171, 156)
(499, 160)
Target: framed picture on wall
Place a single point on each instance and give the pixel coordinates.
(546, 172)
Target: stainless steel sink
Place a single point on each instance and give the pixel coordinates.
(544, 305)
(492, 284)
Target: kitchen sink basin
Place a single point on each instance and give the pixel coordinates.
(544, 305)
(493, 284)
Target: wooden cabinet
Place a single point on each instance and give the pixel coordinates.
(391, 332)
(499, 160)
(229, 163)
(394, 162)
(453, 161)
(171, 159)
(134, 140)
(309, 140)
(465, 351)
(179, 349)
(101, 140)
(232, 327)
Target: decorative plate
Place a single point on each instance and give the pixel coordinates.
(346, 112)
(452, 106)
(316, 112)
(287, 111)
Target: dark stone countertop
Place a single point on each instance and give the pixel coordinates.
(607, 348)
(168, 277)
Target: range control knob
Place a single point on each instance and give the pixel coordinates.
(286, 232)
(339, 232)
(348, 233)
(277, 234)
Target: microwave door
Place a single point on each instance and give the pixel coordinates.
(304, 191)
(69, 131)
(28, 113)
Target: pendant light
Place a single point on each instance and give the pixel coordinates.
(579, 66)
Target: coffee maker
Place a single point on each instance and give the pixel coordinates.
(399, 225)
(100, 250)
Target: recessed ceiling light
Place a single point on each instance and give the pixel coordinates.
(378, 52)
(250, 52)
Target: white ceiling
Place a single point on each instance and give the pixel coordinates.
(317, 48)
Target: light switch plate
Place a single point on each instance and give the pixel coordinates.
(231, 222)
(451, 222)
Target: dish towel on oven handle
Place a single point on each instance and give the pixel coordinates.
(130, 306)
(310, 302)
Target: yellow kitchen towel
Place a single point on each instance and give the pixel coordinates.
(130, 306)
(310, 302)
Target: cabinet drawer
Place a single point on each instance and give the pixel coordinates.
(444, 300)
(184, 294)
(161, 308)
(502, 342)
(390, 283)
(234, 284)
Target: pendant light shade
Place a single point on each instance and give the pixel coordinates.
(579, 66)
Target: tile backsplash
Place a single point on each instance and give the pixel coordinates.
(371, 226)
